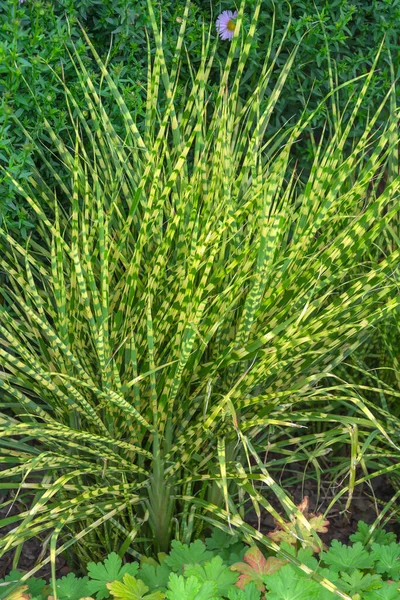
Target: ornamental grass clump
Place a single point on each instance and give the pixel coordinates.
(180, 307)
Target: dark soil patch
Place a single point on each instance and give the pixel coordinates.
(33, 551)
(366, 505)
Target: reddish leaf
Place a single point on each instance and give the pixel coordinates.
(303, 506)
(297, 530)
(319, 523)
(255, 567)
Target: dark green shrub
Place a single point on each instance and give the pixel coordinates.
(35, 33)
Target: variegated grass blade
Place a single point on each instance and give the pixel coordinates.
(186, 304)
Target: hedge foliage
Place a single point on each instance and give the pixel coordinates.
(35, 33)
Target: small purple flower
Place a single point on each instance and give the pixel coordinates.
(226, 25)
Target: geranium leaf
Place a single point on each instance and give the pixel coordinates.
(387, 558)
(103, 573)
(215, 571)
(133, 589)
(297, 530)
(287, 584)
(70, 587)
(255, 566)
(388, 591)
(155, 576)
(182, 554)
(35, 586)
(219, 540)
(180, 588)
(345, 558)
(250, 592)
(305, 555)
(319, 523)
(227, 546)
(379, 536)
(356, 582)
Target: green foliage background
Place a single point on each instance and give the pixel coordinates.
(34, 34)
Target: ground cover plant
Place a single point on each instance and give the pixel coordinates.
(182, 308)
(223, 567)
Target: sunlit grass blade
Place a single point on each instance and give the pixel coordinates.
(188, 301)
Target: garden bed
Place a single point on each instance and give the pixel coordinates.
(342, 523)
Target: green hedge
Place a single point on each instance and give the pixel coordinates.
(35, 32)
